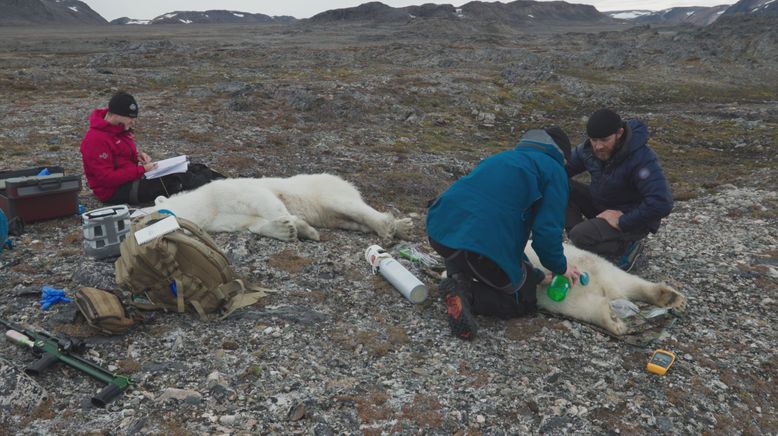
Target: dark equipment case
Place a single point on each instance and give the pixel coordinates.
(30, 197)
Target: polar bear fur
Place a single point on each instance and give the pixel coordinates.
(282, 208)
(591, 303)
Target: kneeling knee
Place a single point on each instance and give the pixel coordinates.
(579, 236)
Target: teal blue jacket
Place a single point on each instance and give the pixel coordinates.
(492, 210)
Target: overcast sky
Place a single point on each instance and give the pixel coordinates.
(147, 9)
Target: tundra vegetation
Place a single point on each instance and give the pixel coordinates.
(402, 110)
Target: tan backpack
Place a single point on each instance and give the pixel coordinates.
(181, 270)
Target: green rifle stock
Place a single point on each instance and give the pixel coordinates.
(52, 349)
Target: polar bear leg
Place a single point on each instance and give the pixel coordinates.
(259, 202)
(358, 215)
(587, 306)
(281, 228)
(304, 230)
(620, 284)
(658, 294)
(228, 222)
(266, 214)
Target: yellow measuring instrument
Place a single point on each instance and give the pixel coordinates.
(660, 362)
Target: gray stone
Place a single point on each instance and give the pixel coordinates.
(288, 313)
(18, 391)
(187, 395)
(664, 424)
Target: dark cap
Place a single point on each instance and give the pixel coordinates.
(603, 123)
(123, 104)
(560, 137)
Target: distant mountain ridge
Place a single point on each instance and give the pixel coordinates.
(754, 7)
(513, 13)
(206, 17)
(695, 15)
(56, 12)
(698, 15)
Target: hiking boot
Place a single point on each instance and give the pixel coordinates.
(627, 260)
(460, 319)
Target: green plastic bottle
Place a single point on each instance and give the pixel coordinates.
(557, 289)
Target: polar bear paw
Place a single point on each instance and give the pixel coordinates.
(614, 324)
(403, 228)
(669, 297)
(281, 228)
(386, 227)
(306, 231)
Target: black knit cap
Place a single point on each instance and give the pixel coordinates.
(123, 104)
(560, 137)
(603, 123)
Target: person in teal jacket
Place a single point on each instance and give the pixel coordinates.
(482, 223)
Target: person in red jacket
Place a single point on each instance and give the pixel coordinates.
(113, 167)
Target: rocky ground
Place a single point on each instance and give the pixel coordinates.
(402, 112)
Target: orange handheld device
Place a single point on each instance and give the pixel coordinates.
(660, 362)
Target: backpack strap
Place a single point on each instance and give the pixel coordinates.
(199, 309)
(145, 304)
(239, 297)
(200, 233)
(191, 285)
(194, 296)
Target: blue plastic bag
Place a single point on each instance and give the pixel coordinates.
(50, 296)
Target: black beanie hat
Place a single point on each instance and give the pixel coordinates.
(560, 137)
(123, 104)
(603, 123)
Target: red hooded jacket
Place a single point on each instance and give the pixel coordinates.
(110, 156)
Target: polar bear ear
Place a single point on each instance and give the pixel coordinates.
(159, 200)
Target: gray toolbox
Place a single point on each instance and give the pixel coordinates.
(105, 229)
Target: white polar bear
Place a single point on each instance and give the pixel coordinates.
(591, 303)
(282, 208)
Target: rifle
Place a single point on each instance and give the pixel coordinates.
(53, 349)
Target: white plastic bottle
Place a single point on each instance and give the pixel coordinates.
(393, 271)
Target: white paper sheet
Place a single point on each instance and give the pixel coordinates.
(178, 164)
(159, 228)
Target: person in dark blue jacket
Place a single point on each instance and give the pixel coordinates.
(482, 223)
(628, 195)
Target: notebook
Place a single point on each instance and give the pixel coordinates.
(159, 228)
(178, 164)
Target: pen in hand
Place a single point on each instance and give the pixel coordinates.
(144, 158)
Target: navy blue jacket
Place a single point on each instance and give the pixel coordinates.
(631, 181)
(492, 210)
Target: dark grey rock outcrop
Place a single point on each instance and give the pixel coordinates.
(59, 12)
(217, 16)
(373, 11)
(754, 7)
(698, 16)
(521, 12)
